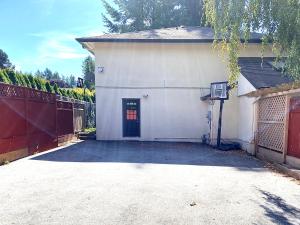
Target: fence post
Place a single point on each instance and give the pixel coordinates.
(56, 113)
(286, 127)
(26, 117)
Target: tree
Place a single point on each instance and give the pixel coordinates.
(13, 77)
(3, 77)
(32, 81)
(39, 84)
(137, 15)
(72, 81)
(21, 79)
(4, 61)
(56, 89)
(39, 74)
(48, 87)
(28, 84)
(277, 20)
(47, 74)
(56, 76)
(88, 70)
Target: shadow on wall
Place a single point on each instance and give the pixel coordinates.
(152, 153)
(278, 210)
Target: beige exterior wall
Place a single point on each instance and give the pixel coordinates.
(173, 76)
(246, 115)
(166, 114)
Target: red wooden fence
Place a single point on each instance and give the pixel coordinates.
(294, 128)
(31, 121)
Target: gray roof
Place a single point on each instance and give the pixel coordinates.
(169, 35)
(261, 74)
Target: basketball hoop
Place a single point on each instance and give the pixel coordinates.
(219, 91)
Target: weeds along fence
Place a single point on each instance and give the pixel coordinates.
(34, 121)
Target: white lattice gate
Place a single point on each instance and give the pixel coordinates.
(271, 122)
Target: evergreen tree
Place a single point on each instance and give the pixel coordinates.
(27, 81)
(38, 83)
(39, 74)
(21, 79)
(55, 76)
(32, 81)
(3, 77)
(4, 61)
(88, 70)
(13, 77)
(47, 74)
(70, 94)
(56, 89)
(48, 87)
(72, 81)
(137, 15)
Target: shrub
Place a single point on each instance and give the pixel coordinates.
(13, 77)
(48, 87)
(56, 90)
(70, 94)
(32, 81)
(43, 84)
(38, 83)
(88, 98)
(21, 79)
(27, 81)
(63, 92)
(3, 77)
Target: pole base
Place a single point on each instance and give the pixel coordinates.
(228, 146)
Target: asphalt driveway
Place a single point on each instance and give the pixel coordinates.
(145, 183)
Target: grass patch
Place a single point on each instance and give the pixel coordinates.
(90, 130)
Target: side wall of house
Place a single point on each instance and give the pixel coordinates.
(246, 115)
(166, 114)
(174, 77)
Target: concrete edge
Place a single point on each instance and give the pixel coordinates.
(288, 171)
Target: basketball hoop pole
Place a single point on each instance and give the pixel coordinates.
(220, 124)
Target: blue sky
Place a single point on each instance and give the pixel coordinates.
(40, 33)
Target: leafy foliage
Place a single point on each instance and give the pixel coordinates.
(137, 15)
(277, 20)
(10, 76)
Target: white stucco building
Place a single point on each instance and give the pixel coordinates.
(149, 85)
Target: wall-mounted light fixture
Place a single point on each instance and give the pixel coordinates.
(100, 69)
(145, 95)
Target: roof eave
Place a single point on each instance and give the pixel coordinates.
(86, 46)
(130, 40)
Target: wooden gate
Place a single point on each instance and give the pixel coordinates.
(294, 128)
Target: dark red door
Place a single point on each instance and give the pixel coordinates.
(294, 128)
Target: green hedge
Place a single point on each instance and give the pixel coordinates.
(9, 76)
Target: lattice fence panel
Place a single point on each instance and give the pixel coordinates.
(271, 119)
(272, 109)
(271, 136)
(11, 91)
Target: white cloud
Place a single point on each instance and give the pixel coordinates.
(55, 45)
(46, 6)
